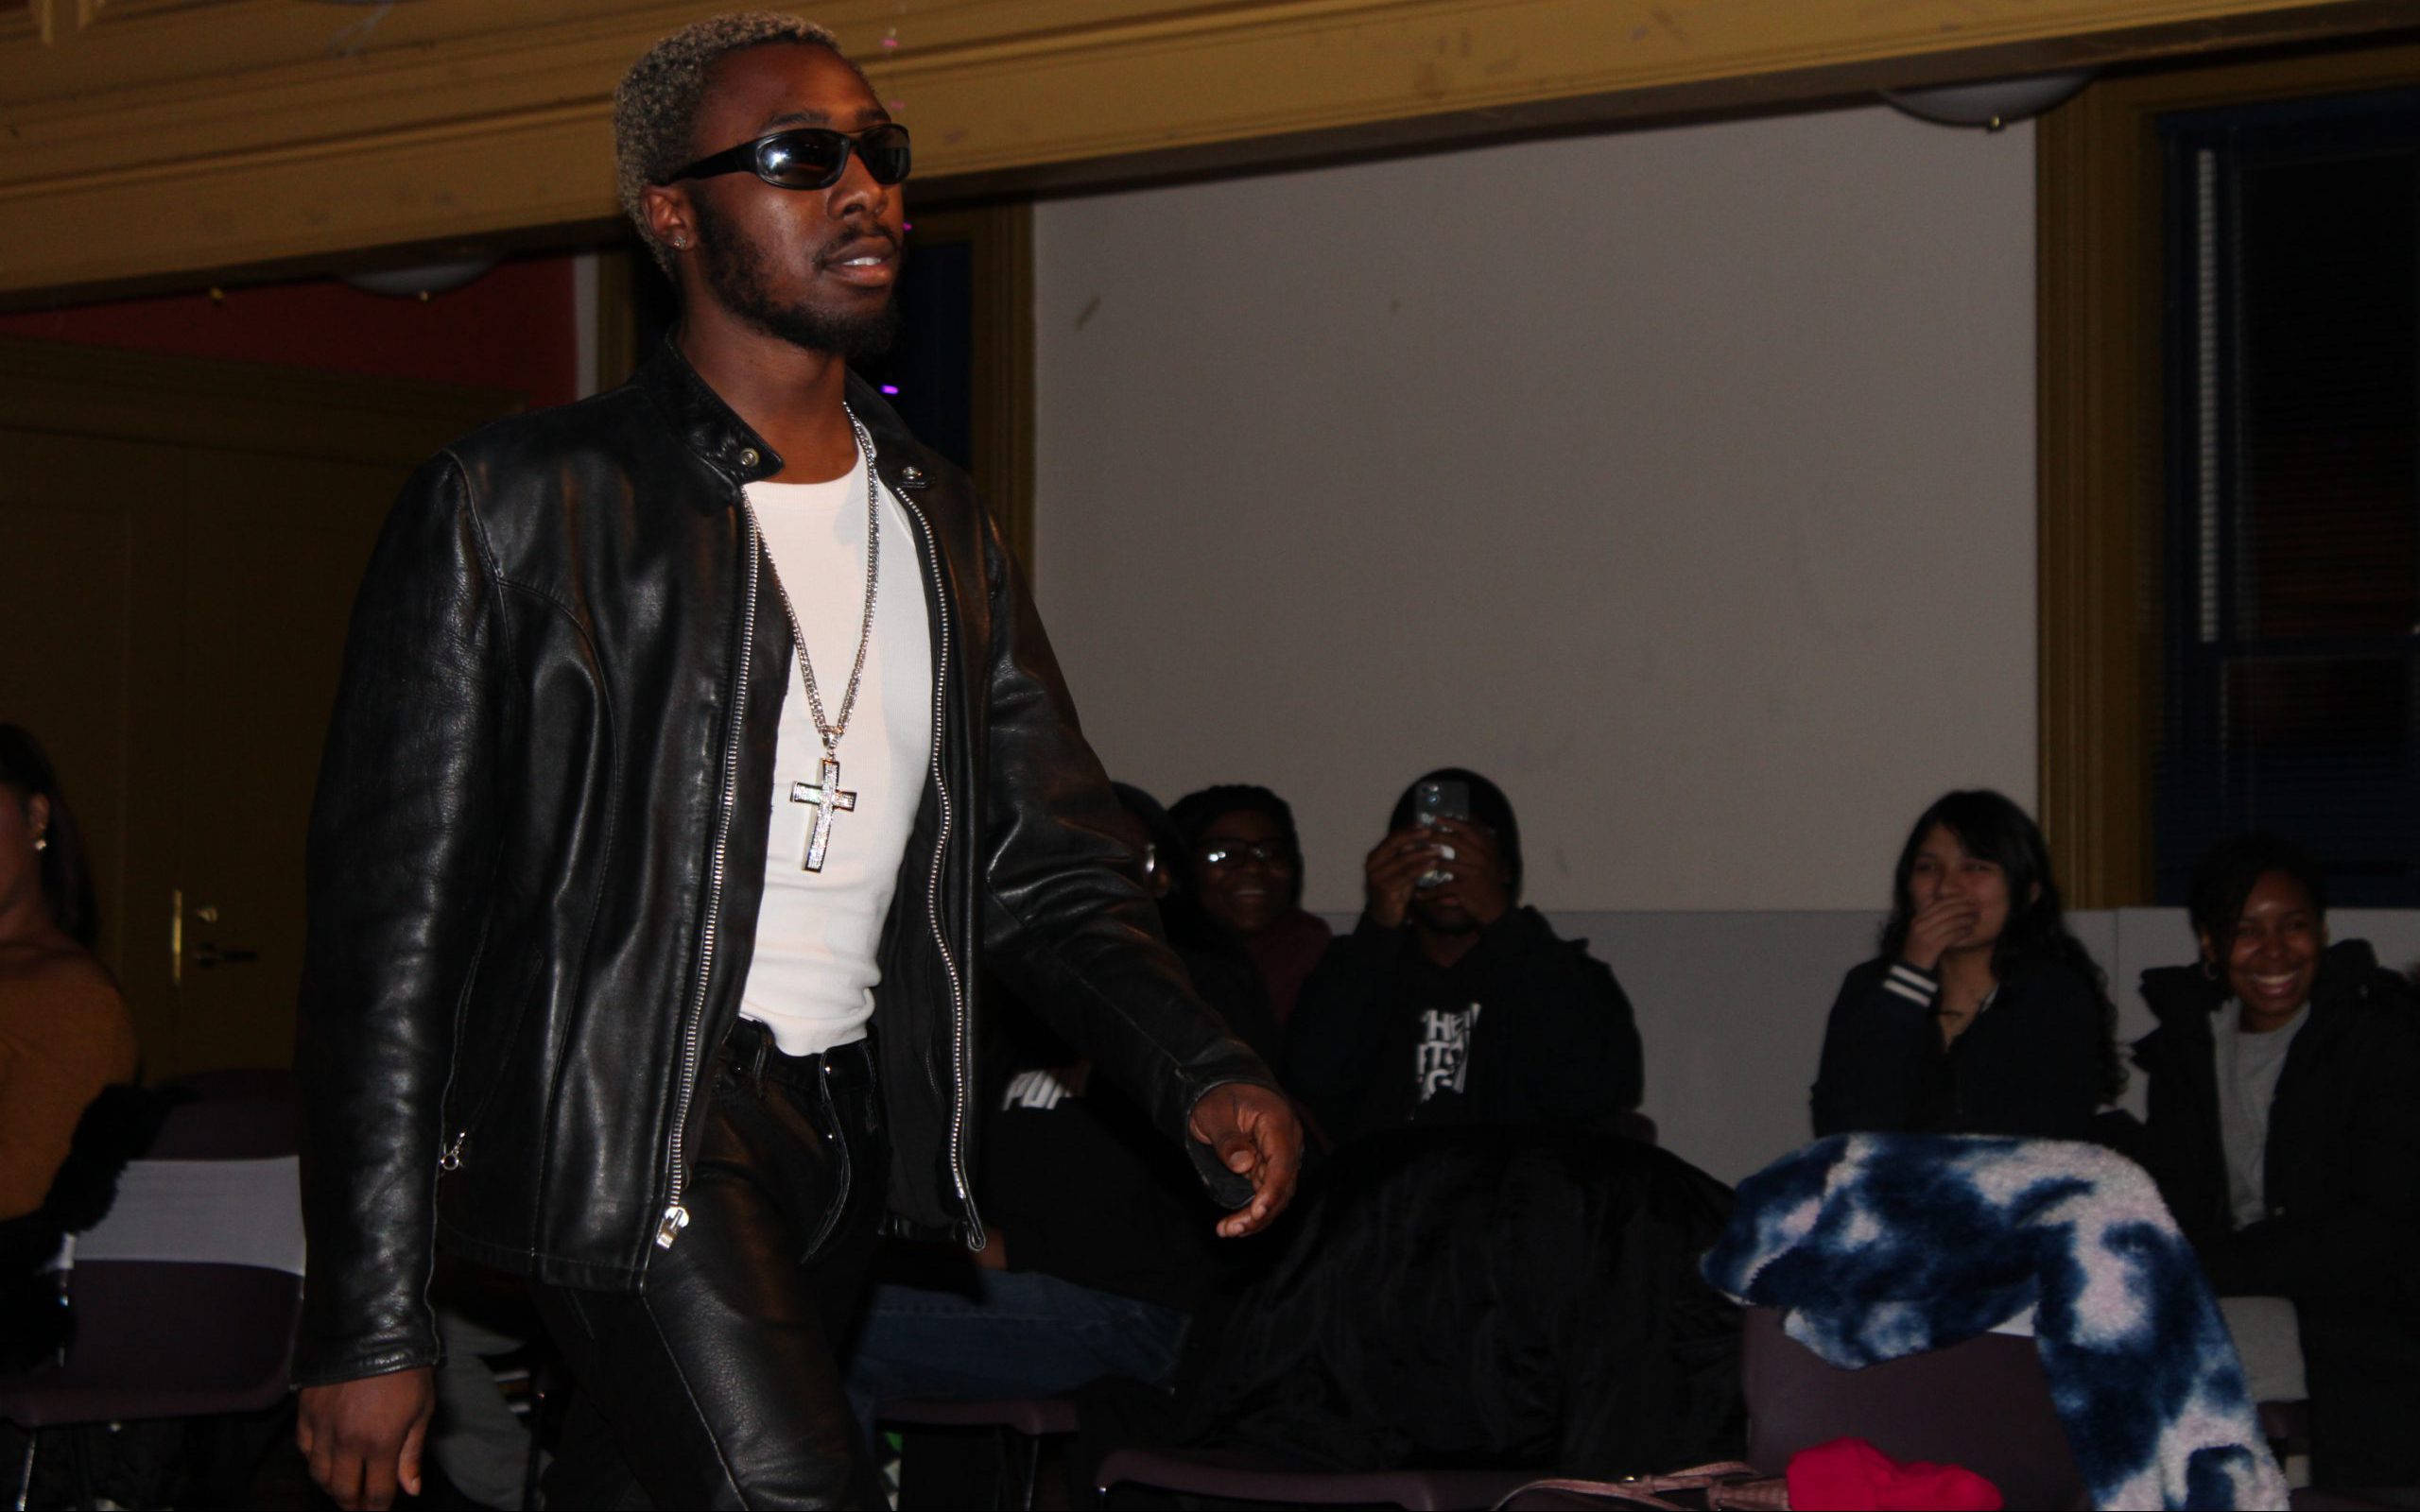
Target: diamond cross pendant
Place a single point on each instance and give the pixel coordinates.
(829, 800)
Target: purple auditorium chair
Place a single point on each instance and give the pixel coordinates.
(186, 1296)
(1983, 1404)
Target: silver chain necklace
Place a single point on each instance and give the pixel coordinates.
(825, 794)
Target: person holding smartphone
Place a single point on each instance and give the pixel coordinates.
(1982, 1015)
(1451, 1003)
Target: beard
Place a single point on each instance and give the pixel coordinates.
(735, 270)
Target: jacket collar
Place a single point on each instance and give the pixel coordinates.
(709, 427)
(732, 447)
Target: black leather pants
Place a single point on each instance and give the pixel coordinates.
(717, 1385)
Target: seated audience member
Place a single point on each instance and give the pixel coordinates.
(2284, 1132)
(64, 1031)
(1451, 1003)
(1982, 1015)
(1246, 878)
(1101, 1240)
(1226, 975)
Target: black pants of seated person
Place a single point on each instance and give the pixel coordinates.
(717, 1385)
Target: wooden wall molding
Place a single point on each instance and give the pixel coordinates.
(2100, 461)
(150, 140)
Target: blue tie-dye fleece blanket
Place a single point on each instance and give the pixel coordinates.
(1877, 1246)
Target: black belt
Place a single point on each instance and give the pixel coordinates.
(754, 1056)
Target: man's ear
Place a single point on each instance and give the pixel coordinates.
(670, 214)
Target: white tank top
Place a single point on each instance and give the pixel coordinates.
(812, 977)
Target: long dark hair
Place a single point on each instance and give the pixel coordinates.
(1994, 830)
(66, 884)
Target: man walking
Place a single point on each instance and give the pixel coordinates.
(690, 741)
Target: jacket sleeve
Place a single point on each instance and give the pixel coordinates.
(2359, 1247)
(1876, 1044)
(399, 864)
(1065, 924)
(1569, 1024)
(1335, 1037)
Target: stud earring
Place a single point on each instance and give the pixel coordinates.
(42, 842)
(681, 243)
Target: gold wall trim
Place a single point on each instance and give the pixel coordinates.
(2101, 478)
(173, 138)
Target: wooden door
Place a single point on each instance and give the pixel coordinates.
(201, 529)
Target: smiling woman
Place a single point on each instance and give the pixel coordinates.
(2284, 1132)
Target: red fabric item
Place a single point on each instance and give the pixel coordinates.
(1851, 1475)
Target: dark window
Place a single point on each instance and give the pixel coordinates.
(2293, 543)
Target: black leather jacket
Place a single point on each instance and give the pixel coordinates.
(538, 847)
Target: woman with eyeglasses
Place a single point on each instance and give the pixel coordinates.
(1245, 864)
(1982, 1015)
(64, 1031)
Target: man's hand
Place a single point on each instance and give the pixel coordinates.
(1254, 1133)
(362, 1439)
(1474, 867)
(1392, 870)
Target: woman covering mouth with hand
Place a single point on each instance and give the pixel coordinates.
(2284, 1132)
(1983, 1014)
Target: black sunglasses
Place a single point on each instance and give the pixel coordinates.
(810, 157)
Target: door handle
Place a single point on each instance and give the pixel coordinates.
(207, 956)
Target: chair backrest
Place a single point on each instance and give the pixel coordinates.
(221, 1184)
(1984, 1404)
(187, 1293)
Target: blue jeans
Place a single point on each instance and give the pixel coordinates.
(1013, 1333)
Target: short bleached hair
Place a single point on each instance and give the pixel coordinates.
(655, 107)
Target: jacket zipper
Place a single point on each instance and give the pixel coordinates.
(676, 1217)
(960, 1073)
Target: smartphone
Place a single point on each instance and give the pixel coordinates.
(1431, 801)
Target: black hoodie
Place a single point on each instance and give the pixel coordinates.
(1527, 1028)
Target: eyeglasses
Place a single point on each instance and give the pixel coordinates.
(810, 157)
(1236, 852)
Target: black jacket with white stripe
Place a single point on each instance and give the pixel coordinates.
(2029, 1064)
